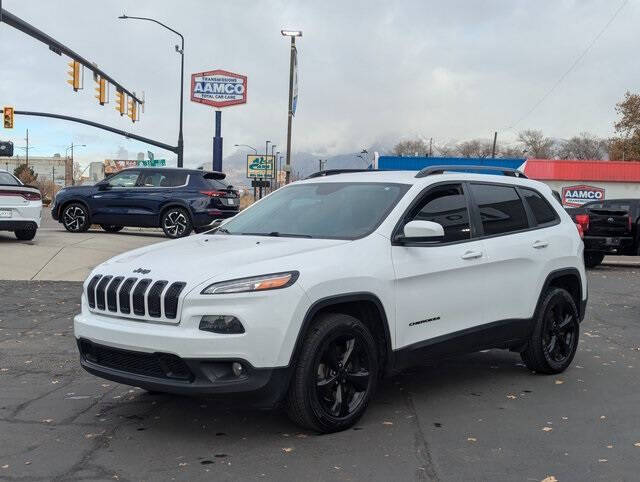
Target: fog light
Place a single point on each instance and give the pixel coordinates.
(237, 368)
(227, 325)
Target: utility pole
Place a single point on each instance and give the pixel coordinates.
(431, 147)
(27, 139)
(292, 61)
(493, 151)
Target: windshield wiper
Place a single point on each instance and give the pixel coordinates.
(277, 234)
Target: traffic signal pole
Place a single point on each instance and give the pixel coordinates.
(120, 132)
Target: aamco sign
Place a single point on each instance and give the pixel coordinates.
(218, 88)
(581, 194)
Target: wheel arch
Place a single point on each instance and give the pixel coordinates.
(365, 306)
(568, 279)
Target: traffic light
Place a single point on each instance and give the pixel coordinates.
(120, 102)
(133, 110)
(74, 73)
(8, 117)
(101, 90)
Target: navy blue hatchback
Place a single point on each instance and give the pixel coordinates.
(176, 200)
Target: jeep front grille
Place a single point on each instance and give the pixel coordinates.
(133, 297)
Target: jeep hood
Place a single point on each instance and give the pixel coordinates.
(198, 258)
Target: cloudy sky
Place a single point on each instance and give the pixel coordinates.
(370, 71)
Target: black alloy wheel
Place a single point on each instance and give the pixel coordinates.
(111, 228)
(335, 374)
(75, 218)
(176, 223)
(343, 374)
(560, 332)
(554, 340)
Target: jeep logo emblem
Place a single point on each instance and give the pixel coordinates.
(142, 271)
(610, 220)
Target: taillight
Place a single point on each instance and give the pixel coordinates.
(213, 193)
(28, 195)
(583, 220)
(580, 230)
(31, 196)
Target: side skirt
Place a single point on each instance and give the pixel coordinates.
(508, 334)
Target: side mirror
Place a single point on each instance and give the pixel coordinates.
(103, 186)
(421, 231)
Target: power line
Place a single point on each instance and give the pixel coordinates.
(570, 69)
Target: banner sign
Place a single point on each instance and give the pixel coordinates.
(294, 103)
(260, 167)
(581, 194)
(113, 165)
(218, 88)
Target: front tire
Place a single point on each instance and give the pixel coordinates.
(25, 234)
(111, 228)
(176, 223)
(75, 218)
(335, 376)
(554, 340)
(591, 259)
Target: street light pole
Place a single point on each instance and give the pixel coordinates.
(181, 52)
(293, 34)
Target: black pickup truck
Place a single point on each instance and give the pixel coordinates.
(609, 227)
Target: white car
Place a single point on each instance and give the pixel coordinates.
(312, 294)
(20, 207)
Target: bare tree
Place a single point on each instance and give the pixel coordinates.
(77, 172)
(536, 144)
(584, 146)
(474, 148)
(445, 150)
(509, 152)
(411, 148)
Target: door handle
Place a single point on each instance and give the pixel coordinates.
(472, 255)
(540, 244)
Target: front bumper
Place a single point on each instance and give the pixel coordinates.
(163, 372)
(607, 244)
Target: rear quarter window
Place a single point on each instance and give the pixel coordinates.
(541, 209)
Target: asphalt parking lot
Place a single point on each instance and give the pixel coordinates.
(481, 417)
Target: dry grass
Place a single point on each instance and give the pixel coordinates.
(246, 200)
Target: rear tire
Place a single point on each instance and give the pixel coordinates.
(75, 218)
(176, 223)
(554, 340)
(111, 228)
(335, 375)
(25, 234)
(591, 259)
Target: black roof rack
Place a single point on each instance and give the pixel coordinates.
(332, 172)
(506, 171)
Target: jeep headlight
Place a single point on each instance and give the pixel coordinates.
(254, 283)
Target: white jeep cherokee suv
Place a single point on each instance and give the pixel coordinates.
(312, 294)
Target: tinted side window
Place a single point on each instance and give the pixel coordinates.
(542, 211)
(124, 179)
(446, 205)
(501, 209)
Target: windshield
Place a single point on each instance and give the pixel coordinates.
(6, 178)
(338, 210)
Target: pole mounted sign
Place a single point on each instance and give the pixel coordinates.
(581, 194)
(260, 166)
(219, 88)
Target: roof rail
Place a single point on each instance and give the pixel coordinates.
(506, 171)
(332, 172)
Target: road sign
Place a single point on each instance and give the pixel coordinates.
(218, 88)
(260, 183)
(260, 166)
